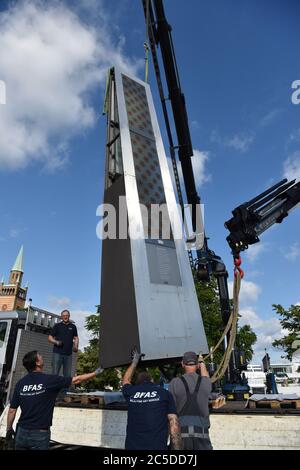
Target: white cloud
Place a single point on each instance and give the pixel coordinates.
(292, 252)
(195, 125)
(249, 317)
(254, 251)
(295, 136)
(249, 291)
(50, 61)
(240, 142)
(58, 303)
(291, 166)
(199, 161)
(267, 330)
(79, 317)
(269, 117)
(215, 137)
(14, 233)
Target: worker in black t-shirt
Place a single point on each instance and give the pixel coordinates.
(151, 413)
(36, 394)
(64, 337)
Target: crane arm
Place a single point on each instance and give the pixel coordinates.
(159, 34)
(256, 216)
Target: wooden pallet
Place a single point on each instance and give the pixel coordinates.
(84, 399)
(274, 404)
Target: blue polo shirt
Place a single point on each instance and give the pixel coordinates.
(147, 423)
(64, 332)
(36, 394)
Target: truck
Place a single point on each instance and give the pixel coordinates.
(20, 332)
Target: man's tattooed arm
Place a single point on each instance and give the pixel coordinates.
(175, 434)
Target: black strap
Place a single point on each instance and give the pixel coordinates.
(198, 384)
(187, 387)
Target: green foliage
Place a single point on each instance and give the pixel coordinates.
(245, 339)
(210, 309)
(290, 322)
(88, 360)
(209, 302)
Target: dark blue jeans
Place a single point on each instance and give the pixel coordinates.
(32, 439)
(62, 360)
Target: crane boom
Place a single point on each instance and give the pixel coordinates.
(254, 217)
(250, 219)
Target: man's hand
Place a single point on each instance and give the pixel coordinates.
(99, 371)
(59, 343)
(202, 367)
(136, 356)
(200, 358)
(75, 350)
(10, 435)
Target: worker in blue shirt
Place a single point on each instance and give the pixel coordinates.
(64, 337)
(36, 394)
(151, 413)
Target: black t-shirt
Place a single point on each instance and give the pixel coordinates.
(64, 332)
(148, 409)
(35, 394)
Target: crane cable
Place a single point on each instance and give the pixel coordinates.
(231, 326)
(235, 312)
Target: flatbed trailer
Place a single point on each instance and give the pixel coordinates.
(233, 427)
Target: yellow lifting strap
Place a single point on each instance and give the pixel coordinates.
(232, 327)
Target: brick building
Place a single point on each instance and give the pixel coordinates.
(13, 295)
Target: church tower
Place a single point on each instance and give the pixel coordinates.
(13, 295)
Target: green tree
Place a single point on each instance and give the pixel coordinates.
(210, 310)
(245, 339)
(290, 322)
(209, 302)
(88, 360)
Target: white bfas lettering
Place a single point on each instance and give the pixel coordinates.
(145, 395)
(31, 388)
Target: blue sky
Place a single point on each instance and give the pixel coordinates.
(237, 61)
